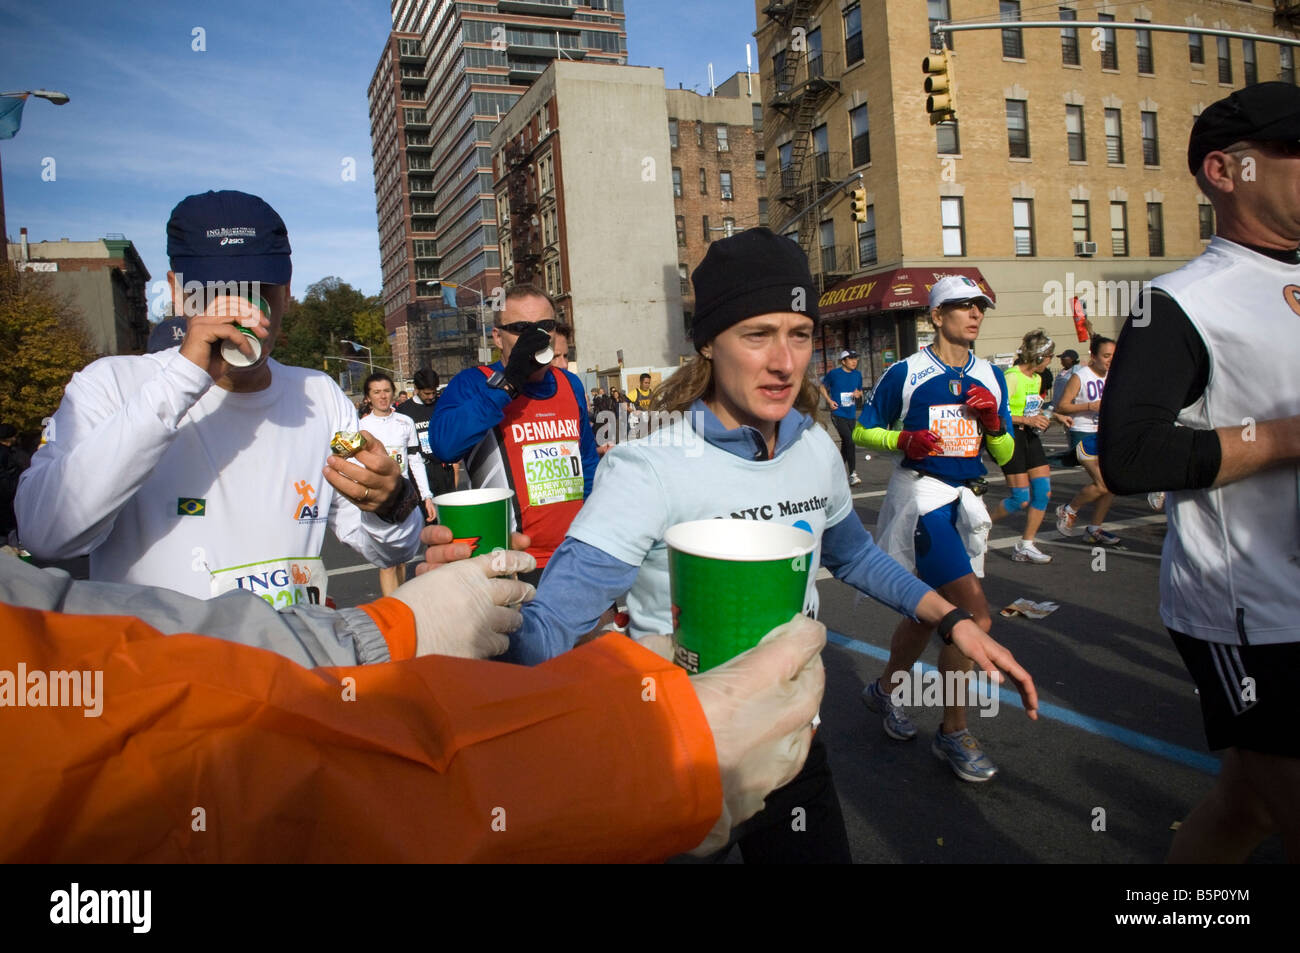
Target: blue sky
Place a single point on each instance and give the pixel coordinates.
(274, 105)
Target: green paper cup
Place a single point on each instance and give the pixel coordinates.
(733, 581)
(480, 518)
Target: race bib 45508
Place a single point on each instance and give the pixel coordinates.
(553, 472)
(956, 424)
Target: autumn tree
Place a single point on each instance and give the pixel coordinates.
(330, 312)
(43, 342)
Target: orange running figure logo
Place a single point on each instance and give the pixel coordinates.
(305, 508)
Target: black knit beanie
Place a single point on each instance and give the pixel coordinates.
(753, 272)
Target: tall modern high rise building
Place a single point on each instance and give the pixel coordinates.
(447, 74)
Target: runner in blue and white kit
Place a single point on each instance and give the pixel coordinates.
(951, 404)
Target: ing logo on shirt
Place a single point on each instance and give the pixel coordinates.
(305, 508)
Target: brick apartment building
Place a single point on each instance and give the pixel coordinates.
(1066, 164)
(718, 169)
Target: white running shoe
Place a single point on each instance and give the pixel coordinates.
(854, 479)
(1029, 553)
(1065, 522)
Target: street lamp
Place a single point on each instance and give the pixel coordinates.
(369, 355)
(484, 355)
(11, 118)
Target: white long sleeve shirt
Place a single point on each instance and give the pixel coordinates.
(397, 433)
(167, 480)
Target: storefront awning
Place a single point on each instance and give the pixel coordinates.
(893, 290)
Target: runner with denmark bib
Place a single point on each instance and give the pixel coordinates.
(951, 404)
(1082, 401)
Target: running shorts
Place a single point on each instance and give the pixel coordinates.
(1255, 715)
(1086, 448)
(940, 554)
(1028, 453)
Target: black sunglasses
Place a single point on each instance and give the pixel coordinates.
(519, 327)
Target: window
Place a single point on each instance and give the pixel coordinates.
(784, 154)
(778, 72)
(677, 182)
(724, 179)
(672, 133)
(938, 12)
(815, 63)
(722, 139)
(1109, 48)
(1248, 62)
(699, 134)
(826, 234)
(1013, 45)
(1018, 128)
(1022, 226)
(1114, 138)
(1074, 134)
(1155, 230)
(1119, 229)
(1195, 48)
(762, 211)
(954, 232)
(1150, 141)
(852, 35)
(1146, 62)
(1080, 221)
(1069, 38)
(708, 233)
(1286, 65)
(860, 129)
(758, 117)
(1225, 60)
(760, 167)
(948, 141)
(681, 230)
(867, 239)
(704, 183)
(821, 152)
(685, 279)
(1205, 216)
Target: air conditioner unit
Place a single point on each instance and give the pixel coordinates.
(726, 193)
(1085, 249)
(723, 147)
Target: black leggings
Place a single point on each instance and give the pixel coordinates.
(844, 426)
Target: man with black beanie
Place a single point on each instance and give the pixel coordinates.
(442, 476)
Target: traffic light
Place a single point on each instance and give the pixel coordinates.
(859, 205)
(939, 101)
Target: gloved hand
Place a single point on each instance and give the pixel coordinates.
(523, 361)
(760, 708)
(985, 405)
(463, 609)
(918, 444)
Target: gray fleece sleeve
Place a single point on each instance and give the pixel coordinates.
(309, 635)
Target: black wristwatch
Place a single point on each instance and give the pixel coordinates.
(498, 380)
(398, 512)
(948, 621)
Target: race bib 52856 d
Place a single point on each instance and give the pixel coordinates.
(553, 472)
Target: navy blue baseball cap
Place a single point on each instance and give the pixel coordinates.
(166, 334)
(228, 236)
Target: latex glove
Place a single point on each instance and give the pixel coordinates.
(760, 708)
(523, 362)
(985, 405)
(463, 609)
(918, 444)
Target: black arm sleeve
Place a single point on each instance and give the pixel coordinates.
(1159, 368)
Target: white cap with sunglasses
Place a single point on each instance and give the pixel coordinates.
(953, 288)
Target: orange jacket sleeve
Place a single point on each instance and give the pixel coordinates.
(207, 750)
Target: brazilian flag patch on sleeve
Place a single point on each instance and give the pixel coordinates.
(190, 506)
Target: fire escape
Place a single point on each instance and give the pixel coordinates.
(803, 82)
(525, 228)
